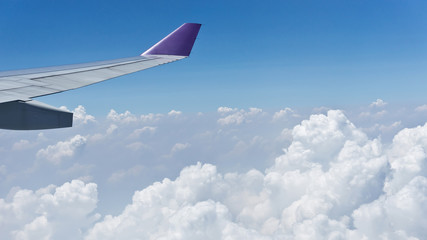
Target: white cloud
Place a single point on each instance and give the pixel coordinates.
(41, 137)
(55, 153)
(151, 117)
(332, 181)
(37, 229)
(175, 209)
(224, 110)
(254, 111)
(237, 117)
(399, 215)
(422, 108)
(112, 128)
(64, 108)
(80, 115)
(179, 147)
(329, 184)
(381, 113)
(378, 103)
(282, 113)
(49, 213)
(286, 134)
(174, 113)
(126, 117)
(146, 129)
(407, 157)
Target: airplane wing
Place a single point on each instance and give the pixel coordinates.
(17, 88)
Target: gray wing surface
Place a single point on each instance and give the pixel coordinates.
(26, 84)
(17, 88)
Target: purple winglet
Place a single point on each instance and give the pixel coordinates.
(179, 42)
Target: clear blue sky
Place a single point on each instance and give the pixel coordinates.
(267, 54)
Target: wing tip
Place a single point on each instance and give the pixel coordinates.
(179, 43)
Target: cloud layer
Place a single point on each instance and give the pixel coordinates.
(332, 182)
(246, 174)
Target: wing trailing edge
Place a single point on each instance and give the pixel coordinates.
(17, 88)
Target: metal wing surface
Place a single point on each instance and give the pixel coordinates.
(17, 88)
(26, 84)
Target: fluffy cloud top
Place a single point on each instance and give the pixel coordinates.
(333, 181)
(62, 212)
(282, 113)
(55, 153)
(80, 116)
(126, 117)
(237, 117)
(174, 113)
(226, 110)
(378, 103)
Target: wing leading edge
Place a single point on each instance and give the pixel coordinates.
(17, 88)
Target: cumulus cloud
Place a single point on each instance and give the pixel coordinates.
(52, 212)
(179, 209)
(399, 215)
(174, 113)
(126, 117)
(237, 117)
(80, 115)
(254, 111)
(151, 117)
(331, 182)
(407, 157)
(62, 149)
(378, 103)
(224, 110)
(146, 129)
(282, 113)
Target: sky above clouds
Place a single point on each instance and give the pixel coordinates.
(290, 120)
(269, 55)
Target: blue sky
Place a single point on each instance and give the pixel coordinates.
(266, 54)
